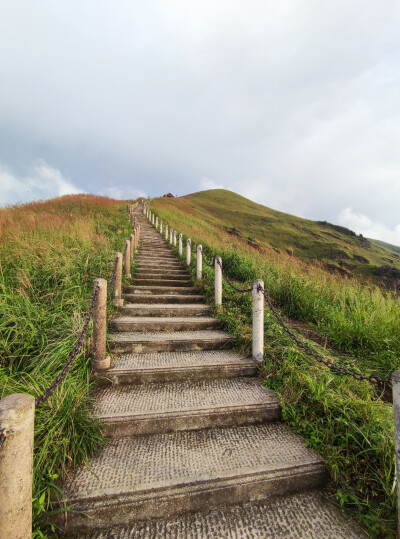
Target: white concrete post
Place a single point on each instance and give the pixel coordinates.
(396, 412)
(144, 209)
(166, 232)
(100, 360)
(161, 227)
(199, 263)
(132, 244)
(188, 251)
(157, 223)
(152, 219)
(17, 413)
(258, 321)
(218, 280)
(117, 293)
(170, 235)
(174, 239)
(127, 259)
(180, 245)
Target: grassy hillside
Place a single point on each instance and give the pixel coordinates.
(393, 249)
(335, 248)
(351, 322)
(50, 253)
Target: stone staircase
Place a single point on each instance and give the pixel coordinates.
(196, 448)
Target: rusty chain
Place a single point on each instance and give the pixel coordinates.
(3, 436)
(338, 370)
(77, 348)
(240, 290)
(205, 260)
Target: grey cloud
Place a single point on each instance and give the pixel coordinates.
(294, 104)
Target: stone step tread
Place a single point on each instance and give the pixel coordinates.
(163, 399)
(141, 288)
(300, 516)
(135, 307)
(206, 335)
(188, 460)
(177, 360)
(171, 299)
(164, 319)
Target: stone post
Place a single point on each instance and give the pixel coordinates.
(117, 293)
(258, 322)
(180, 244)
(100, 360)
(218, 280)
(166, 232)
(132, 245)
(161, 227)
(17, 413)
(199, 263)
(157, 223)
(396, 412)
(170, 235)
(188, 251)
(136, 243)
(174, 238)
(127, 259)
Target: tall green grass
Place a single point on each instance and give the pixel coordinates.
(341, 418)
(50, 253)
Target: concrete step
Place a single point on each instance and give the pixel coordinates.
(182, 275)
(299, 516)
(162, 323)
(127, 410)
(162, 290)
(164, 298)
(174, 341)
(178, 367)
(151, 270)
(140, 281)
(165, 309)
(164, 265)
(163, 475)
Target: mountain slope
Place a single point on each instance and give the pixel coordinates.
(336, 248)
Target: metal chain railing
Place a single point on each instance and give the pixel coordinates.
(78, 346)
(205, 260)
(234, 287)
(338, 370)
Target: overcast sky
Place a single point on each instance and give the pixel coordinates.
(294, 104)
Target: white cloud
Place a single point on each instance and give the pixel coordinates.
(43, 181)
(206, 183)
(362, 224)
(122, 193)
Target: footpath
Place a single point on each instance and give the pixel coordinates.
(196, 446)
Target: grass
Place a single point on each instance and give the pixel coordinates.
(357, 324)
(50, 253)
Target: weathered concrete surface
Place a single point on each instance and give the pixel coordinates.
(163, 324)
(160, 407)
(100, 360)
(164, 474)
(16, 460)
(301, 516)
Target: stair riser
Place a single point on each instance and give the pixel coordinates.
(125, 427)
(123, 510)
(177, 375)
(152, 277)
(151, 270)
(152, 291)
(178, 311)
(168, 346)
(181, 299)
(158, 282)
(160, 326)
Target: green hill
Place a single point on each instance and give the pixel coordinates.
(393, 249)
(336, 248)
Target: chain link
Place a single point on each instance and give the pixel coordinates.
(205, 260)
(78, 346)
(240, 290)
(338, 370)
